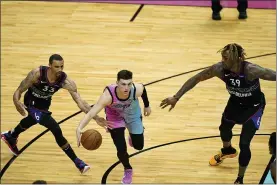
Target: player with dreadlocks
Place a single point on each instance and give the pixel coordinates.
(245, 105)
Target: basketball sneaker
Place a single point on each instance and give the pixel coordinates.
(243, 15)
(223, 154)
(239, 180)
(128, 175)
(83, 167)
(10, 141)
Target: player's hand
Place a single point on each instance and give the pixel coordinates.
(169, 101)
(102, 122)
(147, 111)
(78, 135)
(20, 107)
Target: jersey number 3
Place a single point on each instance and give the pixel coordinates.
(49, 89)
(235, 82)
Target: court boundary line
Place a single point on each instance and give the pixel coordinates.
(137, 12)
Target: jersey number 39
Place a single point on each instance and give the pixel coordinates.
(235, 82)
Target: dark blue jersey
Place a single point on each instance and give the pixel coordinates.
(240, 89)
(39, 95)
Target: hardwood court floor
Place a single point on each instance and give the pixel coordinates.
(96, 41)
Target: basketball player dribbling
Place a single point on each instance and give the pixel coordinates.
(245, 106)
(41, 84)
(122, 111)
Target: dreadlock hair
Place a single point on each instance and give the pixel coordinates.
(235, 52)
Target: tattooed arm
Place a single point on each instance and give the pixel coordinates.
(254, 71)
(31, 78)
(214, 70)
(72, 89)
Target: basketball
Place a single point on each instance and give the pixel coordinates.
(91, 139)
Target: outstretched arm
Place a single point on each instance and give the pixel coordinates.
(72, 89)
(254, 71)
(214, 70)
(31, 78)
(103, 101)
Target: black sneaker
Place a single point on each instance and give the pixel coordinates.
(242, 15)
(10, 141)
(216, 16)
(239, 180)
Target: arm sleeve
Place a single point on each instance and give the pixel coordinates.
(145, 98)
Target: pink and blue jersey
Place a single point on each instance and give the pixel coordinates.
(124, 113)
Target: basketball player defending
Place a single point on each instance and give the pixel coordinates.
(42, 83)
(245, 106)
(122, 110)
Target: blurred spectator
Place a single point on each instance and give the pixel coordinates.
(242, 6)
(39, 182)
